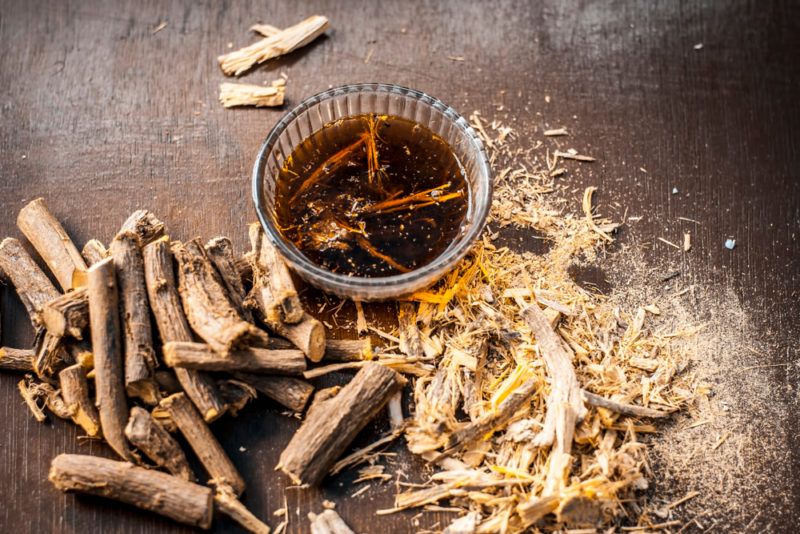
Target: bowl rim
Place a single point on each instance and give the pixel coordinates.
(444, 262)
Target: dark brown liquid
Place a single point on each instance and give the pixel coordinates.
(372, 196)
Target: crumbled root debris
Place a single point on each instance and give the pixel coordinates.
(633, 346)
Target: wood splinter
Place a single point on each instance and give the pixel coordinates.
(254, 360)
(247, 94)
(107, 350)
(206, 304)
(183, 501)
(202, 441)
(329, 430)
(53, 244)
(172, 326)
(283, 42)
(75, 390)
(149, 437)
(140, 357)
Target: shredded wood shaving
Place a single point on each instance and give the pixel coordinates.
(239, 61)
(245, 94)
(533, 417)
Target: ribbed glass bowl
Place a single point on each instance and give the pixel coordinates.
(347, 101)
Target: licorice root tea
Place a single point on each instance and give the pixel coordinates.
(372, 196)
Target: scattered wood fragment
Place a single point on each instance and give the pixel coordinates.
(148, 436)
(108, 359)
(687, 241)
(565, 390)
(220, 252)
(32, 285)
(16, 359)
(227, 503)
(622, 408)
(328, 522)
(53, 244)
(291, 392)
(145, 225)
(67, 315)
(587, 211)
(208, 309)
(247, 94)
(164, 494)
(287, 40)
(555, 132)
(324, 435)
(202, 441)
(250, 359)
(173, 326)
(410, 341)
(75, 390)
(31, 397)
(575, 156)
(93, 252)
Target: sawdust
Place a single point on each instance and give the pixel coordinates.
(733, 447)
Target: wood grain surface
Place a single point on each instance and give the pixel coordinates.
(101, 115)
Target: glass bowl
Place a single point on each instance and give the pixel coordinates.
(347, 101)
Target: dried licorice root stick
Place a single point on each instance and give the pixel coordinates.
(149, 437)
(67, 315)
(32, 285)
(337, 350)
(280, 282)
(164, 494)
(145, 225)
(291, 392)
(203, 443)
(94, 252)
(140, 358)
(254, 360)
(309, 334)
(172, 325)
(206, 303)
(108, 362)
(220, 252)
(228, 504)
(327, 432)
(16, 359)
(75, 390)
(53, 244)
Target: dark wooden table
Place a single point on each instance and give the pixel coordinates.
(101, 115)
